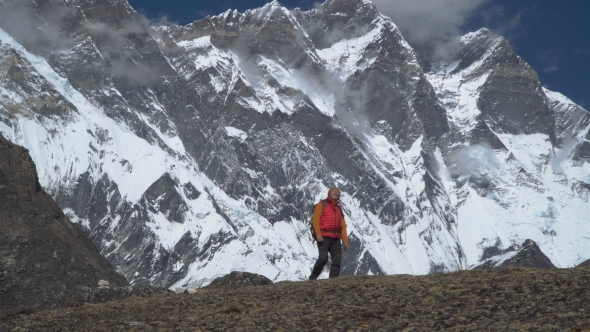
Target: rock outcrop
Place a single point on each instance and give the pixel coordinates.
(240, 279)
(44, 258)
(529, 255)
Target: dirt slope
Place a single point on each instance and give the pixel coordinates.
(514, 299)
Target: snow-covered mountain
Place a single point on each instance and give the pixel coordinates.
(189, 152)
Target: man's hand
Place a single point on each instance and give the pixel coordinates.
(345, 246)
(319, 238)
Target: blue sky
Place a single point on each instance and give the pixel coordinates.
(552, 36)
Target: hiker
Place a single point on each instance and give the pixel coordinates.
(329, 227)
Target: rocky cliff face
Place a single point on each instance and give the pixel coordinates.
(523, 160)
(189, 152)
(529, 255)
(44, 258)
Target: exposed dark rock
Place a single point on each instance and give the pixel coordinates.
(584, 263)
(570, 119)
(240, 279)
(163, 196)
(356, 259)
(44, 258)
(511, 99)
(529, 255)
(483, 135)
(583, 150)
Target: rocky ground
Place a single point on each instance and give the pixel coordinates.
(513, 299)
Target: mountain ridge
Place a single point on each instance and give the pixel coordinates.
(220, 148)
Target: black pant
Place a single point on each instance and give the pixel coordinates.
(332, 246)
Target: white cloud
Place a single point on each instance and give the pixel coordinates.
(428, 24)
(472, 160)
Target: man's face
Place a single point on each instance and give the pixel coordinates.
(334, 194)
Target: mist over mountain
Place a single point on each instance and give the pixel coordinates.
(188, 152)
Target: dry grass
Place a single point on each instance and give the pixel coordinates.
(516, 299)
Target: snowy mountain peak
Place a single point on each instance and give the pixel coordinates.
(273, 4)
(481, 33)
(228, 14)
(271, 9)
(203, 151)
(350, 6)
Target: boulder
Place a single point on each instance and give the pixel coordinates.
(240, 279)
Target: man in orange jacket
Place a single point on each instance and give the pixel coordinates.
(329, 227)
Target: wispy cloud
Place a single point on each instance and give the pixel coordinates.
(307, 4)
(429, 25)
(551, 59)
(473, 160)
(551, 69)
(47, 29)
(498, 19)
(203, 13)
(21, 22)
(569, 144)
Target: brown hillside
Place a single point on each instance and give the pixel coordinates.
(514, 299)
(44, 258)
